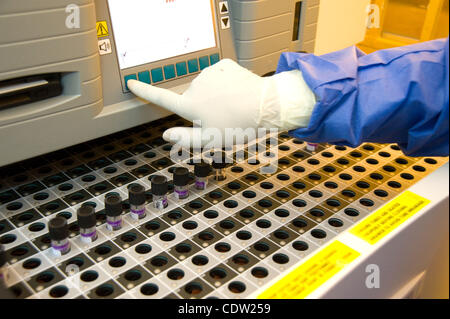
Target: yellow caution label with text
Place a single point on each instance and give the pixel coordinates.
(386, 219)
(102, 29)
(310, 275)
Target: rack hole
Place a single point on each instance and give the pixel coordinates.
(261, 246)
(260, 272)
(430, 161)
(89, 276)
(193, 288)
(200, 260)
(299, 169)
(206, 236)
(117, 262)
(267, 185)
(300, 245)
(159, 261)
(299, 203)
(282, 213)
(241, 260)
(143, 249)
(407, 176)
(419, 168)
(190, 225)
(149, 289)
(222, 247)
(263, 223)
(211, 214)
(104, 290)
(237, 287)
(381, 193)
(359, 169)
(331, 185)
(227, 224)
(366, 202)
(31, 263)
(335, 222)
(281, 234)
(133, 275)
(318, 233)
(280, 259)
(352, 212)
(58, 291)
(345, 177)
(167, 236)
(175, 274)
(244, 235)
(394, 184)
(315, 193)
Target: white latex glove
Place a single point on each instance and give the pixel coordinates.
(227, 95)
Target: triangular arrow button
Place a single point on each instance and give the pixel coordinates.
(224, 8)
(223, 5)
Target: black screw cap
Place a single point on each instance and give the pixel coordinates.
(86, 217)
(160, 186)
(3, 257)
(181, 176)
(202, 169)
(58, 229)
(219, 160)
(113, 205)
(136, 195)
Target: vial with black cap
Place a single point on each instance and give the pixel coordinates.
(113, 211)
(181, 182)
(159, 192)
(137, 199)
(59, 236)
(219, 164)
(87, 223)
(201, 172)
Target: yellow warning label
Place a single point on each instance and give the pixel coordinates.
(102, 29)
(302, 281)
(386, 219)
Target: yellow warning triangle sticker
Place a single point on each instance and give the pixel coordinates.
(102, 29)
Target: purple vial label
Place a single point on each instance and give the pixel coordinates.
(62, 247)
(90, 235)
(115, 224)
(138, 212)
(200, 185)
(182, 194)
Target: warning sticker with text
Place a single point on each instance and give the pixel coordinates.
(310, 275)
(389, 217)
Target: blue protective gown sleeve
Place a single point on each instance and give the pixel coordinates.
(398, 95)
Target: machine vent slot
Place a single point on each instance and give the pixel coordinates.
(25, 90)
(298, 13)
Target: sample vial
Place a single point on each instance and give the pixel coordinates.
(136, 197)
(59, 236)
(311, 147)
(219, 164)
(201, 172)
(159, 192)
(87, 223)
(181, 182)
(113, 210)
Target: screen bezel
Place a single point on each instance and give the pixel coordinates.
(157, 63)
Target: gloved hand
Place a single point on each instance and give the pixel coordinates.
(228, 96)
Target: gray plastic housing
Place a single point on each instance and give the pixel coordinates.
(94, 101)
